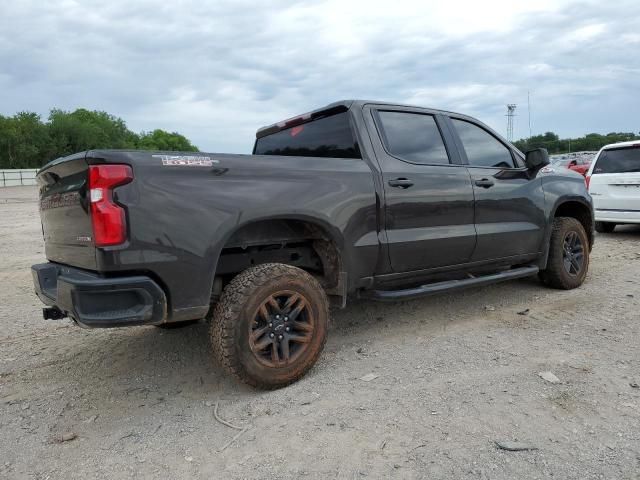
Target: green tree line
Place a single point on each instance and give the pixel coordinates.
(28, 142)
(590, 142)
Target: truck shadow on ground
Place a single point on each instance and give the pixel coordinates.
(151, 364)
(109, 363)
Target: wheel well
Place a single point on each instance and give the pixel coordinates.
(580, 212)
(300, 243)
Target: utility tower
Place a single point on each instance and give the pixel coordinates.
(511, 112)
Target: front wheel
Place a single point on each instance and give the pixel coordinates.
(605, 227)
(568, 260)
(270, 325)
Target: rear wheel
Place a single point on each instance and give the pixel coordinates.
(270, 325)
(605, 227)
(568, 260)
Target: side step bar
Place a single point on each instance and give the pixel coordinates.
(449, 285)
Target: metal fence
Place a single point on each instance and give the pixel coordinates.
(14, 178)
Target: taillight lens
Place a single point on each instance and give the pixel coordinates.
(107, 217)
(587, 180)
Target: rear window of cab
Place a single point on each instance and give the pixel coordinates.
(325, 137)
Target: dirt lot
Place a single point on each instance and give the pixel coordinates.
(454, 374)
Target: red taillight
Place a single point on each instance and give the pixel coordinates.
(107, 217)
(587, 180)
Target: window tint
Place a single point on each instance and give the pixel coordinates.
(482, 148)
(413, 137)
(618, 161)
(325, 137)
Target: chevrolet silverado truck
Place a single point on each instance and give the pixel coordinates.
(358, 199)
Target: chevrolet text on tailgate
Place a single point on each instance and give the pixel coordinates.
(357, 199)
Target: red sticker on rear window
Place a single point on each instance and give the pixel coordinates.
(296, 130)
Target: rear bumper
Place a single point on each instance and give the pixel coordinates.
(95, 301)
(617, 216)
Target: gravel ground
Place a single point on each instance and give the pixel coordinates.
(453, 375)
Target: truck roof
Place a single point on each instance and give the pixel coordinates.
(330, 109)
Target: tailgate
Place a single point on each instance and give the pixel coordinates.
(64, 211)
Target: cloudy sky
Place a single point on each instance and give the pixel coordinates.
(217, 70)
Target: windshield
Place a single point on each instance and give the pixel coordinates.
(620, 160)
(326, 137)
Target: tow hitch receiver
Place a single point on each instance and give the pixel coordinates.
(53, 313)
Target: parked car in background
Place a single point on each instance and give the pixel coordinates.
(614, 184)
(581, 166)
(578, 161)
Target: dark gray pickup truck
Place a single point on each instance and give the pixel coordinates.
(356, 199)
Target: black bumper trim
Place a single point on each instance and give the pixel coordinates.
(95, 301)
(616, 210)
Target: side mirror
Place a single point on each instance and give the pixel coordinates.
(537, 158)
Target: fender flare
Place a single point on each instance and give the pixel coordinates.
(333, 233)
(552, 215)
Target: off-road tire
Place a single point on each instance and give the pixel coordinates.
(233, 316)
(556, 275)
(605, 227)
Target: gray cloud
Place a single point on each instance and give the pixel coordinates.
(218, 72)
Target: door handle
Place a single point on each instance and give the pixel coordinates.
(401, 183)
(484, 183)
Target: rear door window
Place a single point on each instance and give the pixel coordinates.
(482, 148)
(413, 137)
(326, 137)
(619, 160)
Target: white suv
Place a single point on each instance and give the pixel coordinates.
(614, 183)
